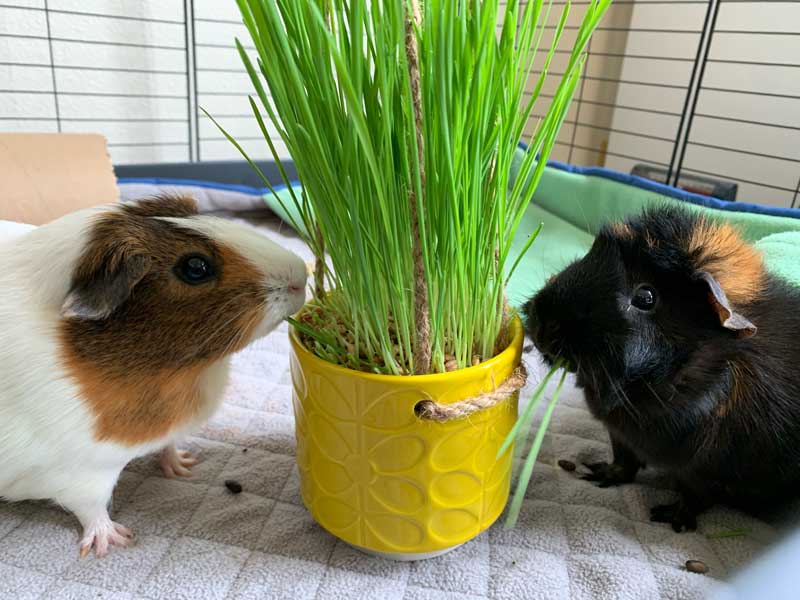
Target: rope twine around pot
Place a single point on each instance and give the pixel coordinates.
(429, 410)
(422, 318)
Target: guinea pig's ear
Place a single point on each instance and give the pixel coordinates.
(98, 291)
(728, 318)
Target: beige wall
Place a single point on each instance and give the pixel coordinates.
(747, 123)
(729, 149)
(584, 136)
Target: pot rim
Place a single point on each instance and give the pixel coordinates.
(507, 355)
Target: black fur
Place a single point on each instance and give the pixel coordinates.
(676, 390)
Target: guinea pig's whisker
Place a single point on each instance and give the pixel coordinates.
(626, 402)
(235, 338)
(221, 309)
(239, 337)
(653, 391)
(236, 316)
(595, 378)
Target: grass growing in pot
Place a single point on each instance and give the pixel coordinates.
(402, 119)
(333, 77)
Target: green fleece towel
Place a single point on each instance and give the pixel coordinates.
(572, 205)
(588, 202)
(782, 254)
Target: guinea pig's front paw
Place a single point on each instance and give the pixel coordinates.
(609, 474)
(176, 463)
(101, 533)
(676, 514)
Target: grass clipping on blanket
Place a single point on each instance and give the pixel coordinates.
(522, 432)
(402, 118)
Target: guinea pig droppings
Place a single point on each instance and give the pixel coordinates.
(234, 487)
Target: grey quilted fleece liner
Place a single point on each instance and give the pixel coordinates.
(196, 541)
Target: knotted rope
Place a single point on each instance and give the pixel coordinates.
(422, 351)
(433, 411)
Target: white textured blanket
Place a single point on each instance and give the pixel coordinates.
(198, 541)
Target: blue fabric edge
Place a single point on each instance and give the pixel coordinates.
(230, 187)
(601, 172)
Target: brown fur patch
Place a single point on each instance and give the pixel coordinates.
(622, 230)
(163, 206)
(740, 378)
(718, 249)
(139, 367)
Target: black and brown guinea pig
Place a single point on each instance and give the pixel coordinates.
(688, 351)
(116, 327)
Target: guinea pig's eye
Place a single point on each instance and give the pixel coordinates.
(644, 297)
(194, 269)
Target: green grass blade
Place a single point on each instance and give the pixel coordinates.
(527, 469)
(528, 243)
(332, 78)
(522, 423)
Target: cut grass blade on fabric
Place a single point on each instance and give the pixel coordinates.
(521, 433)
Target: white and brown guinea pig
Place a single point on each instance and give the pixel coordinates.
(116, 325)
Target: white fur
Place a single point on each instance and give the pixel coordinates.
(47, 445)
(10, 230)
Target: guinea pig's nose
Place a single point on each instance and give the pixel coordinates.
(296, 287)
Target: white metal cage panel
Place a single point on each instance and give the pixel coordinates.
(690, 87)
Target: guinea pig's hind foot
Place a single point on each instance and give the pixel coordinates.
(677, 514)
(101, 533)
(176, 463)
(609, 474)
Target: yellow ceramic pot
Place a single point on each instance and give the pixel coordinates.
(375, 475)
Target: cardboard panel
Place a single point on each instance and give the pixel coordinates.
(44, 176)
